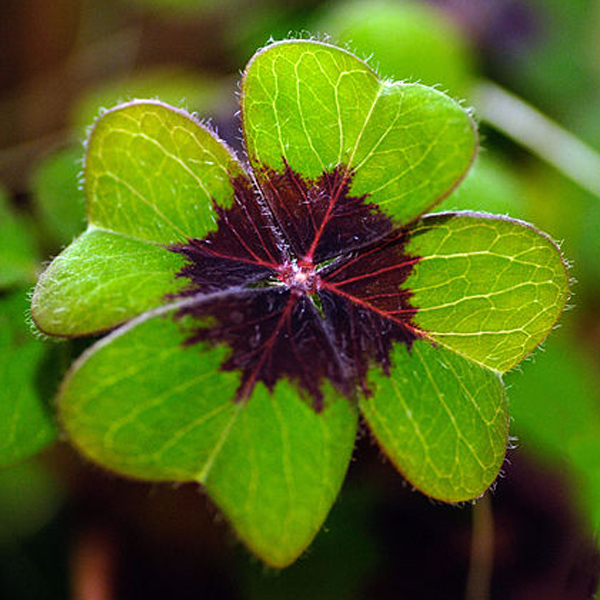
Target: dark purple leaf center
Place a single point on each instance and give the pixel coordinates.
(303, 282)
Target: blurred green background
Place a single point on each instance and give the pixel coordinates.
(68, 530)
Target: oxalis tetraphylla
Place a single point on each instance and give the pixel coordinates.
(256, 309)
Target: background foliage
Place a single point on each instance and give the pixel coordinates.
(76, 527)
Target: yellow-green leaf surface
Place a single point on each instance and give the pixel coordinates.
(318, 107)
(152, 175)
(281, 469)
(442, 420)
(489, 288)
(145, 405)
(152, 172)
(101, 280)
(26, 422)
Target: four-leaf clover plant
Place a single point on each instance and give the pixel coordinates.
(256, 307)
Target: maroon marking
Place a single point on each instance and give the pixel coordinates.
(367, 306)
(320, 218)
(273, 334)
(244, 248)
(314, 282)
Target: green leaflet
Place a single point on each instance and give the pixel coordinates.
(442, 421)
(272, 464)
(318, 107)
(281, 469)
(152, 172)
(307, 103)
(489, 288)
(26, 423)
(141, 404)
(151, 175)
(102, 280)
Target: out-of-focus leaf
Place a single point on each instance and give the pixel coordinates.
(29, 498)
(26, 422)
(584, 120)
(555, 403)
(408, 40)
(174, 86)
(490, 186)
(57, 194)
(18, 260)
(548, 194)
(557, 71)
